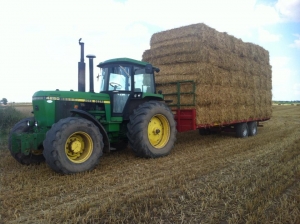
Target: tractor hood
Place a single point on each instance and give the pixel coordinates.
(57, 95)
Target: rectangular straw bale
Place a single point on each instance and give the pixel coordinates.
(180, 40)
(203, 115)
(218, 59)
(257, 82)
(257, 53)
(243, 112)
(205, 80)
(208, 36)
(222, 59)
(201, 73)
(178, 48)
(179, 58)
(263, 82)
(199, 29)
(185, 99)
(196, 68)
(172, 88)
(249, 81)
(208, 114)
(190, 47)
(238, 79)
(269, 85)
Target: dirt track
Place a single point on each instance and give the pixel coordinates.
(207, 179)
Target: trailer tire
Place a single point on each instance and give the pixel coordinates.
(252, 128)
(152, 130)
(241, 130)
(21, 127)
(73, 145)
(205, 131)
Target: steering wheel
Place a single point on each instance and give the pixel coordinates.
(115, 85)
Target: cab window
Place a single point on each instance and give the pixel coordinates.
(143, 82)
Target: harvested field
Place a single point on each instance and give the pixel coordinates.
(207, 179)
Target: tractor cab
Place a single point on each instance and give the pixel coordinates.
(128, 82)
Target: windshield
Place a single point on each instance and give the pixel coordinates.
(119, 78)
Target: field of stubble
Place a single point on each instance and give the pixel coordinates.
(205, 179)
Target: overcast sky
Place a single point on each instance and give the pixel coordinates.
(39, 38)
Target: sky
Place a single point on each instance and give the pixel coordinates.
(40, 50)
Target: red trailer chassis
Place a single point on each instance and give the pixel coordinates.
(186, 121)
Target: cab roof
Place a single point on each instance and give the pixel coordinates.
(122, 60)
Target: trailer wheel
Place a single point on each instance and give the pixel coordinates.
(32, 158)
(73, 145)
(152, 130)
(205, 131)
(241, 130)
(252, 126)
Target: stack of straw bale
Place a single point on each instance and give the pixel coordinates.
(233, 78)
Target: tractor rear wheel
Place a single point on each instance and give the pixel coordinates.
(73, 145)
(32, 158)
(152, 130)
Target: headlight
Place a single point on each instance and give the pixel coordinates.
(28, 123)
(36, 123)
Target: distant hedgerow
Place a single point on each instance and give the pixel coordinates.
(8, 117)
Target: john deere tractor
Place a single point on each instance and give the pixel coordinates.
(71, 129)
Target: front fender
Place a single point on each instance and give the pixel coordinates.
(89, 117)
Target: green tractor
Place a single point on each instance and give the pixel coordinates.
(72, 129)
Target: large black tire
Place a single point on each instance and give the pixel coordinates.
(241, 130)
(73, 145)
(21, 127)
(204, 131)
(152, 130)
(252, 128)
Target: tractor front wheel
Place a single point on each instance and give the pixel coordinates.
(152, 130)
(32, 158)
(73, 145)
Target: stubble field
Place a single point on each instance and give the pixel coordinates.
(205, 179)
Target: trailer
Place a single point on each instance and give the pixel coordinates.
(186, 119)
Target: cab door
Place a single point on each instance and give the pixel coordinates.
(119, 86)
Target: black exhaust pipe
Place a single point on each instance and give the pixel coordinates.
(91, 66)
(81, 69)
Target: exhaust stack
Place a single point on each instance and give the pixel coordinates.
(91, 66)
(81, 69)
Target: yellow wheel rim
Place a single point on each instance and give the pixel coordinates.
(158, 131)
(79, 147)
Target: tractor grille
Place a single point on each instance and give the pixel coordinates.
(62, 109)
